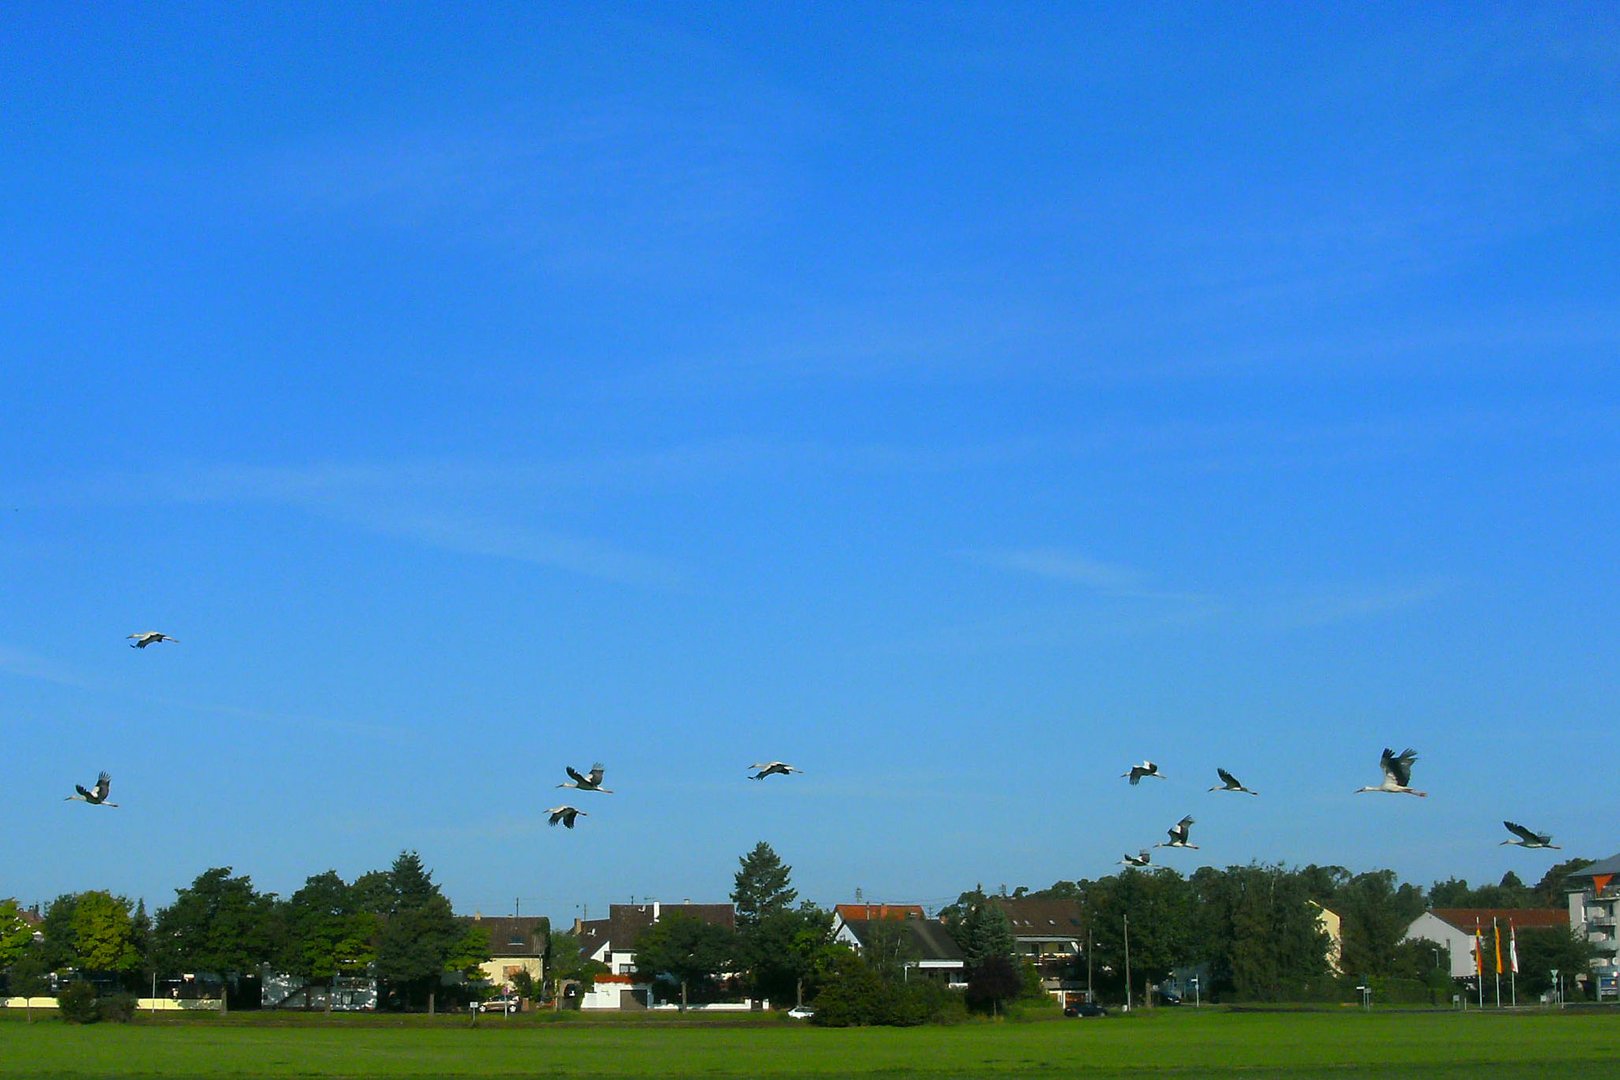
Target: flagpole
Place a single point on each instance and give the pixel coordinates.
(1496, 932)
(1513, 961)
(1479, 961)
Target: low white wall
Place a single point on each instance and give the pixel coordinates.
(161, 1004)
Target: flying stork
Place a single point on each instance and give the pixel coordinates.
(1147, 768)
(1141, 858)
(1397, 774)
(772, 768)
(592, 782)
(1178, 834)
(149, 637)
(1230, 783)
(1528, 838)
(565, 814)
(96, 796)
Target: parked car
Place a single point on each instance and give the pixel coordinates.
(1085, 1009)
(1167, 998)
(801, 1012)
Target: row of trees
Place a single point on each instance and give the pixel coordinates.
(1254, 929)
(1257, 932)
(395, 924)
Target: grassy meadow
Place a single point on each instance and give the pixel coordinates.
(1186, 1042)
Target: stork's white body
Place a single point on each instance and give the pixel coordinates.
(772, 768)
(593, 782)
(1528, 837)
(565, 814)
(1147, 768)
(1230, 783)
(149, 637)
(1397, 774)
(96, 796)
(1178, 834)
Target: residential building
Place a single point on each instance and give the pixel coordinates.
(1333, 927)
(924, 946)
(612, 941)
(517, 944)
(1594, 907)
(1048, 935)
(1453, 930)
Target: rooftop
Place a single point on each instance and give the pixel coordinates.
(1466, 919)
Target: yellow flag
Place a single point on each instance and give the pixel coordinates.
(1497, 930)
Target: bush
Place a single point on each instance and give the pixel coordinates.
(78, 1004)
(858, 996)
(117, 1008)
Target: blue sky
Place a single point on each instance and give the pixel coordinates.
(960, 402)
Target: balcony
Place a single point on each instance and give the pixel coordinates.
(1598, 916)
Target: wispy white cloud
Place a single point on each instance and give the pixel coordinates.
(1327, 607)
(1066, 566)
(439, 504)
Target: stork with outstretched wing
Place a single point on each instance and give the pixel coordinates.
(96, 796)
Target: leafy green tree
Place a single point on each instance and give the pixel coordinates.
(1322, 883)
(995, 979)
(1509, 893)
(566, 962)
(1542, 950)
(104, 933)
(987, 934)
(855, 993)
(888, 948)
(1159, 906)
(1257, 930)
(323, 931)
(15, 934)
(785, 951)
(1375, 911)
(761, 886)
(56, 951)
(469, 952)
(1553, 888)
(219, 923)
(419, 932)
(686, 951)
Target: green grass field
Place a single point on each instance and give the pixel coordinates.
(1204, 1043)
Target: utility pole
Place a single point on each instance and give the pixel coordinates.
(1127, 963)
(1090, 997)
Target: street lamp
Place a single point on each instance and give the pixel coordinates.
(1198, 1002)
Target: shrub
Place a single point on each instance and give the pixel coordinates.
(117, 1008)
(859, 996)
(78, 1004)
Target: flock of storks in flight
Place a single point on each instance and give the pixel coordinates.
(563, 815)
(1397, 769)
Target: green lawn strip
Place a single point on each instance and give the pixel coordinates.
(1187, 1043)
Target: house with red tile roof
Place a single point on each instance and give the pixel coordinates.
(1453, 930)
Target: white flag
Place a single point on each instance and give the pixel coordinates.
(1513, 948)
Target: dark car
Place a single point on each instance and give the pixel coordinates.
(1167, 998)
(1089, 1008)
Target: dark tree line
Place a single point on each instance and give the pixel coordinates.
(1259, 933)
(394, 923)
